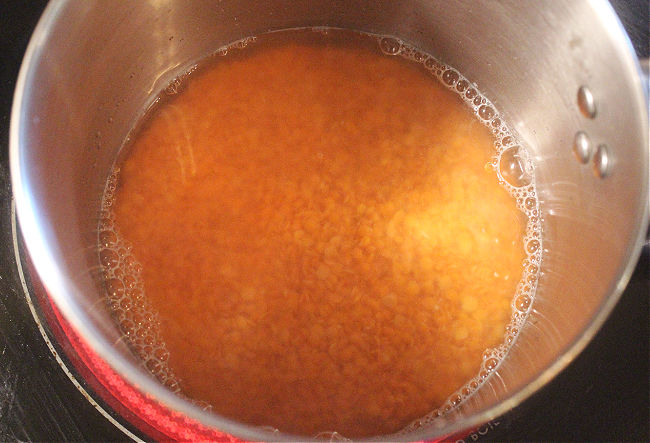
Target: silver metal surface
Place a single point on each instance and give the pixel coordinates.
(586, 102)
(582, 147)
(93, 67)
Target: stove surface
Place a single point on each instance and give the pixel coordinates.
(602, 396)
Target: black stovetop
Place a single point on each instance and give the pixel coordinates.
(602, 396)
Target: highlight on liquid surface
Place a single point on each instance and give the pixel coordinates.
(318, 236)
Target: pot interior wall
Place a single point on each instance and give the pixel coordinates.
(96, 69)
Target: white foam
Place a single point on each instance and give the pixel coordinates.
(516, 174)
(125, 294)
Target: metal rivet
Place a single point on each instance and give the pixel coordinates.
(586, 102)
(602, 161)
(582, 147)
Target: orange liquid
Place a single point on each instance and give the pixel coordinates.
(319, 236)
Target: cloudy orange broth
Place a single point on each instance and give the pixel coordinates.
(320, 236)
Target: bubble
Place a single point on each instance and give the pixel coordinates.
(175, 86)
(115, 288)
(140, 302)
(530, 203)
(450, 77)
(486, 112)
(153, 365)
(128, 260)
(430, 63)
(126, 325)
(491, 363)
(418, 56)
(161, 354)
(532, 246)
(147, 349)
(126, 304)
(125, 291)
(107, 238)
(137, 316)
(514, 167)
(461, 85)
(390, 46)
(133, 266)
(109, 258)
(130, 282)
(470, 93)
(496, 122)
(478, 100)
(522, 303)
(172, 385)
(406, 51)
(241, 44)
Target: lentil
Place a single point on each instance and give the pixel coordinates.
(319, 237)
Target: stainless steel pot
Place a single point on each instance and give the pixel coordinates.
(553, 68)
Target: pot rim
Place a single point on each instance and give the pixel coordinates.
(56, 286)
